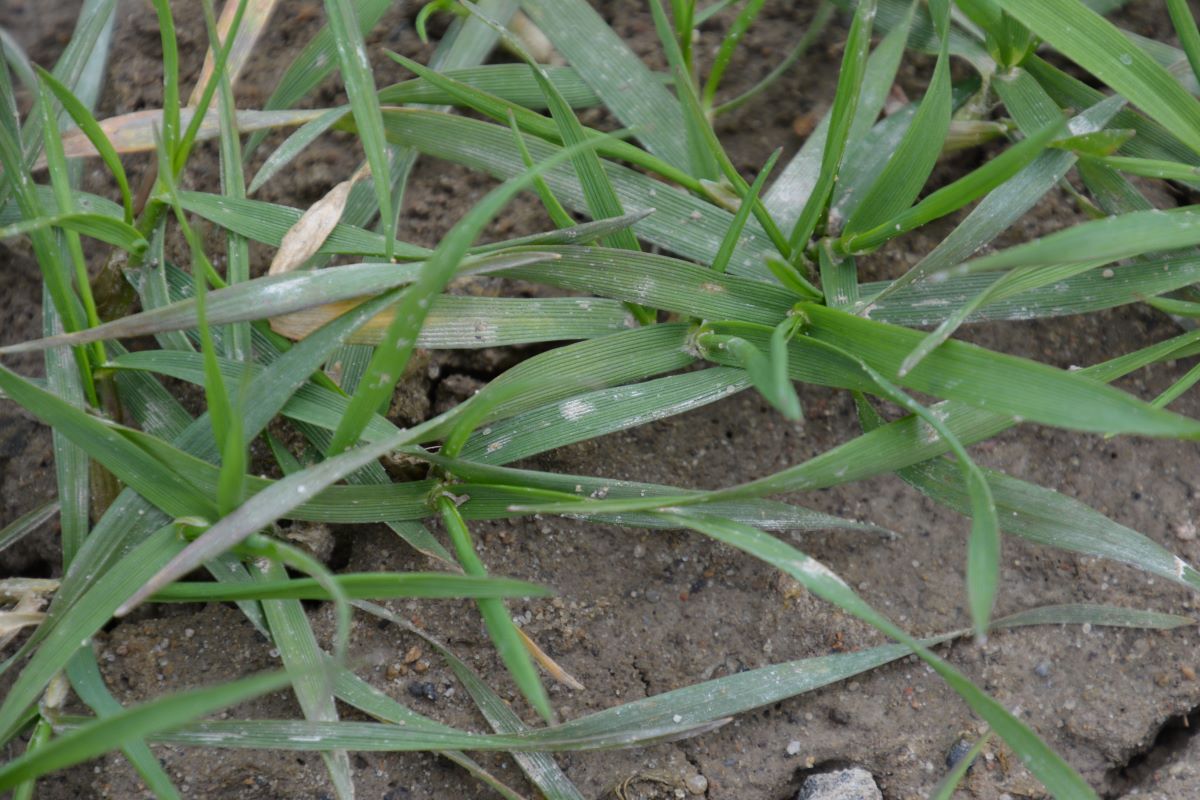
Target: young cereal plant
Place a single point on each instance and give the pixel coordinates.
(667, 280)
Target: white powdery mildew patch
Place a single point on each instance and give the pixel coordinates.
(816, 569)
(499, 443)
(575, 409)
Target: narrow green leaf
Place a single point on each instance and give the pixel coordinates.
(910, 165)
(499, 624)
(87, 123)
(170, 132)
(101, 735)
(682, 223)
(1153, 168)
(1043, 762)
(966, 189)
(387, 365)
(360, 87)
(87, 682)
(841, 118)
(357, 586)
(27, 523)
(734, 234)
(591, 414)
(994, 381)
(66, 634)
(618, 76)
(949, 783)
(1185, 29)
(1096, 45)
(788, 195)
(97, 226)
(102, 442)
(315, 63)
(729, 45)
(1005, 204)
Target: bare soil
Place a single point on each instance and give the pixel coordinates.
(641, 612)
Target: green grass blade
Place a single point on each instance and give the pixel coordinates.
(362, 695)
(841, 118)
(948, 785)
(1005, 204)
(734, 233)
(950, 198)
(814, 32)
(618, 76)
(501, 109)
(302, 657)
(839, 276)
(264, 507)
(100, 736)
(495, 615)
(97, 226)
(1185, 29)
(171, 123)
(1043, 762)
(592, 414)
(910, 165)
(279, 295)
(682, 223)
(540, 768)
(364, 102)
(1048, 518)
(701, 160)
(1096, 45)
(71, 465)
(315, 63)
(102, 442)
(1177, 389)
(27, 523)
(1102, 240)
(356, 586)
(233, 182)
(789, 193)
(598, 192)
(87, 123)
(87, 682)
(301, 138)
(729, 45)
(510, 82)
(64, 635)
(387, 365)
(1153, 168)
(897, 445)
(1034, 391)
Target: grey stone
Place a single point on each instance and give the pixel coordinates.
(844, 784)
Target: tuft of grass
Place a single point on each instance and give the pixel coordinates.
(688, 283)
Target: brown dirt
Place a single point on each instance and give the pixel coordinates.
(642, 612)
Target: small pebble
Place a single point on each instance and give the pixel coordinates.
(793, 747)
(957, 753)
(696, 784)
(421, 666)
(426, 690)
(1042, 670)
(412, 655)
(845, 784)
(1187, 672)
